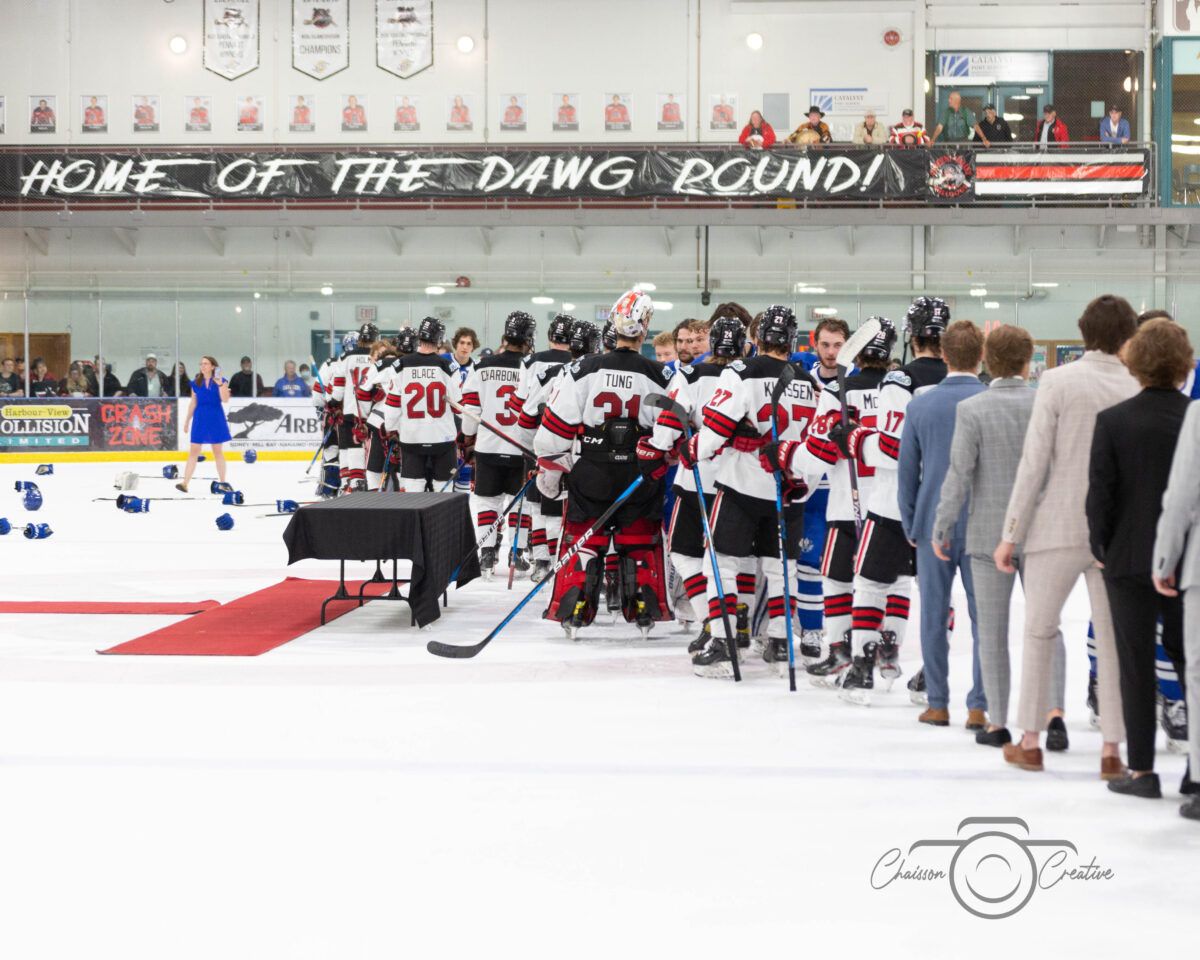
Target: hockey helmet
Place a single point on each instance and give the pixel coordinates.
(560, 329)
(519, 328)
(368, 333)
(431, 330)
(926, 317)
(879, 347)
(407, 341)
(608, 336)
(631, 314)
(585, 338)
(727, 337)
(777, 328)
(349, 342)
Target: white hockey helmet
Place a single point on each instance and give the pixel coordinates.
(631, 314)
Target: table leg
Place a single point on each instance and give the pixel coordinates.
(342, 593)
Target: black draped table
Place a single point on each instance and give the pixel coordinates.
(433, 530)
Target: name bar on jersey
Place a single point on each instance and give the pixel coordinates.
(830, 173)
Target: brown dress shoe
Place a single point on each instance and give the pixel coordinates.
(1111, 768)
(935, 717)
(976, 720)
(1018, 756)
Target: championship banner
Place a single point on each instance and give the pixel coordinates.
(404, 36)
(76, 423)
(320, 37)
(835, 174)
(272, 423)
(231, 33)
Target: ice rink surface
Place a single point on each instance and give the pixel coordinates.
(349, 795)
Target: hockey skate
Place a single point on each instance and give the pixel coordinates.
(858, 682)
(541, 570)
(916, 689)
(714, 661)
(487, 562)
(702, 639)
(825, 672)
(519, 562)
(888, 658)
(1093, 704)
(1174, 720)
(775, 655)
(576, 620)
(810, 645)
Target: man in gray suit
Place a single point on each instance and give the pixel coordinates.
(1178, 538)
(989, 431)
(924, 459)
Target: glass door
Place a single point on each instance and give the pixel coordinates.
(1021, 106)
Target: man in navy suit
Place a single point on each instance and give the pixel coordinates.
(924, 460)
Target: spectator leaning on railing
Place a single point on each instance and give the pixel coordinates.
(956, 122)
(1050, 128)
(813, 130)
(10, 383)
(757, 134)
(290, 384)
(149, 381)
(1114, 128)
(994, 128)
(909, 132)
(870, 131)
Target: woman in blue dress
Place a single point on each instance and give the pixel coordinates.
(206, 419)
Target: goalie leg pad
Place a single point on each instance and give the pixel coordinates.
(582, 574)
(642, 543)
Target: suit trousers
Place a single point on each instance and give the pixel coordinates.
(936, 578)
(1136, 608)
(993, 596)
(1191, 654)
(1049, 577)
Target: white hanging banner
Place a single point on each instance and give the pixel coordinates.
(231, 31)
(404, 36)
(321, 37)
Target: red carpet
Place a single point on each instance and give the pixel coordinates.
(250, 625)
(84, 607)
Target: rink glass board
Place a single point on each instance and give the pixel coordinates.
(831, 173)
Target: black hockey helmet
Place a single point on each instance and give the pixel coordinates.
(926, 317)
(368, 333)
(879, 347)
(407, 341)
(727, 337)
(777, 327)
(431, 330)
(608, 336)
(560, 329)
(519, 328)
(585, 338)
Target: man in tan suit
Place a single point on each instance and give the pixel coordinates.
(1046, 515)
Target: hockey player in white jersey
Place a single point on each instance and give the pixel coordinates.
(354, 368)
(584, 339)
(692, 388)
(599, 402)
(417, 411)
(370, 396)
(330, 412)
(737, 421)
(500, 467)
(886, 562)
(819, 454)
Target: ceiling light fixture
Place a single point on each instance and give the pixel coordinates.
(663, 305)
(433, 290)
(177, 44)
(327, 291)
(1046, 284)
(542, 300)
(568, 306)
(978, 291)
(465, 44)
(754, 41)
(645, 287)
(991, 304)
(811, 290)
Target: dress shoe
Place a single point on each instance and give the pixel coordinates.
(1056, 735)
(935, 716)
(976, 720)
(1111, 768)
(1018, 756)
(1146, 786)
(1191, 809)
(993, 738)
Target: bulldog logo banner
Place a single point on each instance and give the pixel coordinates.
(404, 36)
(320, 37)
(231, 32)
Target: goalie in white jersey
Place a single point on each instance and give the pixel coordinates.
(500, 467)
(417, 412)
(599, 402)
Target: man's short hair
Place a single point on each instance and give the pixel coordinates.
(1153, 315)
(664, 339)
(466, 332)
(1107, 322)
(681, 325)
(700, 326)
(836, 324)
(962, 345)
(1007, 350)
(732, 309)
(1159, 354)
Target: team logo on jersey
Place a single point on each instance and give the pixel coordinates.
(950, 175)
(898, 377)
(738, 365)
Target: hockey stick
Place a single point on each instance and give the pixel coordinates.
(663, 402)
(845, 358)
(516, 539)
(786, 376)
(541, 461)
(439, 649)
(492, 527)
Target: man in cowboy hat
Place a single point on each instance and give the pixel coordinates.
(813, 130)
